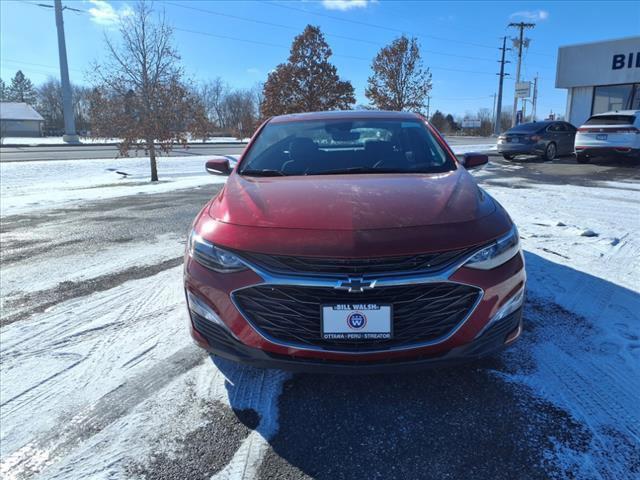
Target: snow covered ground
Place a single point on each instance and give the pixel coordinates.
(75, 181)
(108, 385)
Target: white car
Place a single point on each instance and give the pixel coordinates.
(609, 134)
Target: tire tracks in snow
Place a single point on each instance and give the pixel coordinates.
(42, 300)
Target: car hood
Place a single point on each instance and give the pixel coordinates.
(351, 202)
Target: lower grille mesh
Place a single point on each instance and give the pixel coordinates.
(421, 313)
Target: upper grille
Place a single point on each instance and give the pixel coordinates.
(421, 313)
(427, 262)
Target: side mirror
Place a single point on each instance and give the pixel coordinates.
(474, 160)
(218, 166)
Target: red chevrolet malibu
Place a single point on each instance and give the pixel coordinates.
(355, 242)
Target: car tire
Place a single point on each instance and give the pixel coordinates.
(582, 158)
(550, 152)
(507, 157)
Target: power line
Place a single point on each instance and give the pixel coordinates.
(290, 27)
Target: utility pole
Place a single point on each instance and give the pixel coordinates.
(496, 128)
(70, 135)
(521, 26)
(535, 98)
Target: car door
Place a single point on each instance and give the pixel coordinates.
(561, 135)
(571, 138)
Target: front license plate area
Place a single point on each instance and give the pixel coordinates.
(601, 137)
(356, 322)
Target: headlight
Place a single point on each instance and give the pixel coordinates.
(210, 256)
(497, 253)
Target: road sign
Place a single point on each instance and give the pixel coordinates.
(523, 89)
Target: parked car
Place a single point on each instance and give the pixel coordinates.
(352, 241)
(610, 134)
(546, 139)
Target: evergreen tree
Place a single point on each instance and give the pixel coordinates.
(21, 89)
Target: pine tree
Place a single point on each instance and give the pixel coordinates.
(308, 81)
(399, 81)
(21, 89)
(3, 91)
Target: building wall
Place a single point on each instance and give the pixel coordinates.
(21, 128)
(579, 105)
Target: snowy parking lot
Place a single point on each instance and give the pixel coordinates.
(99, 378)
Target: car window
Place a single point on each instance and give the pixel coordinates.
(560, 127)
(351, 146)
(611, 120)
(526, 127)
(570, 128)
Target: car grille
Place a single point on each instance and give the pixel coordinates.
(429, 262)
(421, 313)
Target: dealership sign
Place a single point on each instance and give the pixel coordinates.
(603, 63)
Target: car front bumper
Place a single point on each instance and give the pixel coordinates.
(219, 342)
(237, 338)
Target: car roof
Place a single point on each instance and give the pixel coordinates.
(346, 115)
(618, 112)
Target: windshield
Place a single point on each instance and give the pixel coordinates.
(611, 120)
(335, 147)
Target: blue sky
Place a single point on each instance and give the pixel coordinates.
(242, 41)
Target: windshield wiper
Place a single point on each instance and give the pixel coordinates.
(341, 171)
(265, 172)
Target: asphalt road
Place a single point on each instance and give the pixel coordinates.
(455, 423)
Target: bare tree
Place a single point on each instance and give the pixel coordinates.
(49, 104)
(240, 113)
(308, 81)
(212, 94)
(139, 94)
(399, 81)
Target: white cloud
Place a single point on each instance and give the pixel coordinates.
(103, 13)
(345, 5)
(531, 15)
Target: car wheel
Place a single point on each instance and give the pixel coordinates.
(550, 152)
(582, 158)
(507, 157)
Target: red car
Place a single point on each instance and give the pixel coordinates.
(353, 242)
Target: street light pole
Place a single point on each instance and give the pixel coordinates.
(70, 135)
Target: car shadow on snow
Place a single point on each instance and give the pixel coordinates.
(480, 420)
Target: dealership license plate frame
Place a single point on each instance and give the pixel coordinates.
(602, 136)
(354, 336)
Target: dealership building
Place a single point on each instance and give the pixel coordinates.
(599, 77)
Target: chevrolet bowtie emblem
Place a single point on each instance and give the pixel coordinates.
(355, 285)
